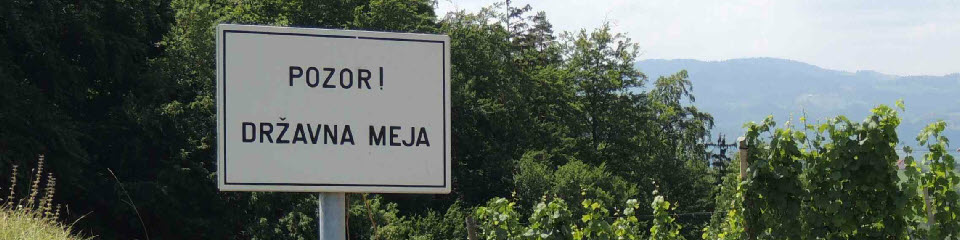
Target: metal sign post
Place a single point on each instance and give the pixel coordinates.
(332, 213)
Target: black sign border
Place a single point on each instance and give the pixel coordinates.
(443, 59)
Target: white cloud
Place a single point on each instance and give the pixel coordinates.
(896, 37)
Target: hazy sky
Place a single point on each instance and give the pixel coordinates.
(894, 37)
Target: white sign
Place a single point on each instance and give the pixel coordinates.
(311, 110)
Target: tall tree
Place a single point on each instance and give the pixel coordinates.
(188, 73)
(71, 74)
(601, 68)
(489, 121)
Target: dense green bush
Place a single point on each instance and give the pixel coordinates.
(498, 219)
(573, 181)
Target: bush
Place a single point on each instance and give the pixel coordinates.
(498, 219)
(573, 182)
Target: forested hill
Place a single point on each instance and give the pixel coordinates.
(742, 90)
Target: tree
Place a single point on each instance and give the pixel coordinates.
(600, 65)
(487, 109)
(574, 181)
(72, 75)
(127, 87)
(395, 15)
(503, 105)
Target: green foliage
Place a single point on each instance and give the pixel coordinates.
(550, 221)
(594, 221)
(733, 226)
(774, 190)
(643, 137)
(852, 178)
(499, 220)
(388, 223)
(936, 185)
(282, 216)
(129, 86)
(184, 108)
(395, 15)
(293, 216)
(842, 183)
(627, 226)
(491, 117)
(573, 181)
(535, 177)
(664, 227)
(728, 219)
(72, 76)
(518, 94)
(550, 118)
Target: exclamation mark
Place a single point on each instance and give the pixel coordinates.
(381, 78)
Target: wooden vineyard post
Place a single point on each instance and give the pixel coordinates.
(471, 228)
(744, 149)
(744, 164)
(926, 203)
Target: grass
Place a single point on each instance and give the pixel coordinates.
(35, 217)
(27, 224)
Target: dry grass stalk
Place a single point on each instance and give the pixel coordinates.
(38, 200)
(13, 185)
(34, 219)
(35, 187)
(46, 203)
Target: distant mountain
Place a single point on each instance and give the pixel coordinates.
(741, 90)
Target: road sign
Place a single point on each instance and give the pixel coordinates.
(312, 110)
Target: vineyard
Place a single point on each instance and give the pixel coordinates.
(834, 180)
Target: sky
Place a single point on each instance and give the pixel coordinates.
(892, 37)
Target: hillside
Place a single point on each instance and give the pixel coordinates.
(741, 90)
